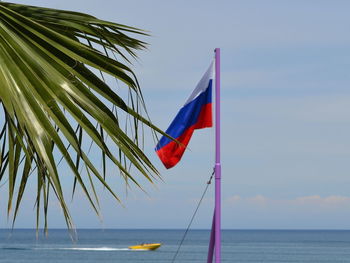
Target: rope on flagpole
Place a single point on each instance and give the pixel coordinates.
(193, 216)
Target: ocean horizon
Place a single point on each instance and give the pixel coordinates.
(111, 245)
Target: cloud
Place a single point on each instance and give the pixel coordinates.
(303, 201)
(323, 201)
(233, 199)
(258, 199)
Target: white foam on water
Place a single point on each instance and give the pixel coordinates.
(72, 248)
(95, 248)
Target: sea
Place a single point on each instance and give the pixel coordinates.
(109, 245)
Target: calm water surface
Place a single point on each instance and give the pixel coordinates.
(111, 246)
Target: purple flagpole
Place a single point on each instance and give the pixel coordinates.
(217, 160)
(212, 242)
(215, 236)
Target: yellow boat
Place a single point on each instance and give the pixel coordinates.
(152, 246)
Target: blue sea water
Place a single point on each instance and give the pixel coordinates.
(111, 246)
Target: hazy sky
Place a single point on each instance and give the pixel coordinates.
(285, 113)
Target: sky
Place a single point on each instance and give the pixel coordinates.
(285, 114)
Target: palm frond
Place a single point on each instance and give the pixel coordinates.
(49, 63)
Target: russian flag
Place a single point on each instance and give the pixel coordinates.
(195, 114)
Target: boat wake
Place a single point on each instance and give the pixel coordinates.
(69, 248)
(96, 249)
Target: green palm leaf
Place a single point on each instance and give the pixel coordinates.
(54, 102)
